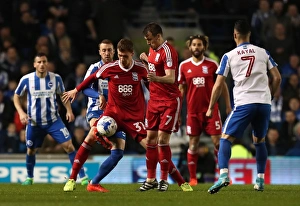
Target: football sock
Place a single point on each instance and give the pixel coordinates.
(261, 156)
(175, 174)
(80, 158)
(72, 157)
(224, 153)
(151, 160)
(164, 157)
(108, 165)
(192, 158)
(30, 163)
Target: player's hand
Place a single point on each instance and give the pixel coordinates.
(144, 57)
(209, 113)
(228, 110)
(151, 77)
(70, 116)
(24, 118)
(102, 101)
(69, 95)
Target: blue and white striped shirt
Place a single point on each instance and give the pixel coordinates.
(42, 105)
(95, 89)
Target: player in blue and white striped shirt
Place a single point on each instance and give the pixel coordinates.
(42, 117)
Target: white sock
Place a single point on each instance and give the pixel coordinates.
(261, 175)
(224, 170)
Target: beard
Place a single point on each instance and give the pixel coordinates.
(197, 53)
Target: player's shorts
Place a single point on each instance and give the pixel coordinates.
(196, 123)
(258, 115)
(35, 135)
(163, 115)
(93, 114)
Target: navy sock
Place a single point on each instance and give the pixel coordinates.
(30, 163)
(108, 165)
(261, 156)
(72, 157)
(224, 153)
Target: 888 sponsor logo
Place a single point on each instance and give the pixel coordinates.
(199, 81)
(125, 89)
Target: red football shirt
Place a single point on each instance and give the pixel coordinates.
(163, 58)
(125, 96)
(199, 79)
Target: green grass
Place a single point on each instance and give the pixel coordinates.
(127, 194)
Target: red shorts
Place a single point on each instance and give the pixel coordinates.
(133, 128)
(196, 123)
(163, 115)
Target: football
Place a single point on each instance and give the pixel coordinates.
(107, 126)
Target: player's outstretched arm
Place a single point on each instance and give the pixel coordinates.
(69, 95)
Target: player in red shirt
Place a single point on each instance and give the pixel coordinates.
(196, 80)
(163, 108)
(126, 104)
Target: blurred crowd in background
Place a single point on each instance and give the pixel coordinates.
(69, 30)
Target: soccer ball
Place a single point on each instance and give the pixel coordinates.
(107, 126)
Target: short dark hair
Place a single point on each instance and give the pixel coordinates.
(242, 26)
(40, 54)
(106, 41)
(125, 45)
(153, 28)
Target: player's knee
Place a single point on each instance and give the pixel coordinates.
(117, 154)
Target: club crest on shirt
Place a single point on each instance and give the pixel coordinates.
(205, 69)
(135, 76)
(50, 84)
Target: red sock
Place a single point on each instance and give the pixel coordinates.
(151, 160)
(80, 158)
(192, 159)
(175, 174)
(164, 157)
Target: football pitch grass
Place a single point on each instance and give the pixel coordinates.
(127, 194)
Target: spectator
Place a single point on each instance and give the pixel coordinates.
(58, 10)
(291, 89)
(258, 19)
(295, 150)
(206, 164)
(276, 109)
(6, 111)
(12, 62)
(290, 68)
(294, 105)
(80, 19)
(114, 25)
(294, 16)
(26, 30)
(287, 134)
(274, 146)
(277, 16)
(280, 45)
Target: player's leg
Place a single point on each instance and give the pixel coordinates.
(192, 158)
(194, 127)
(173, 171)
(151, 161)
(60, 134)
(109, 164)
(34, 140)
(80, 158)
(234, 127)
(260, 124)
